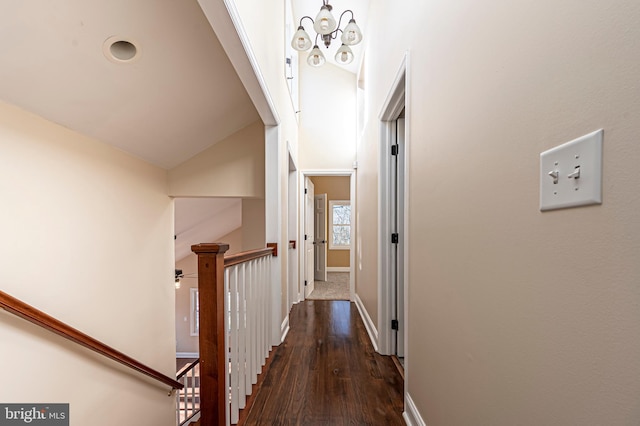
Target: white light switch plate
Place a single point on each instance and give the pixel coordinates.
(571, 174)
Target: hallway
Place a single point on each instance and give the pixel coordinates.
(327, 373)
(336, 287)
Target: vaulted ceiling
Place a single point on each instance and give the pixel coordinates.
(178, 96)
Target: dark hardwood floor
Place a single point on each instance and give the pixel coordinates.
(327, 373)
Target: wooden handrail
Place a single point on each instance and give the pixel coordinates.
(184, 370)
(246, 256)
(274, 246)
(39, 318)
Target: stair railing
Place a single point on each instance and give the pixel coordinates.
(188, 399)
(41, 319)
(235, 327)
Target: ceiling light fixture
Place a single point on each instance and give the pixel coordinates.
(326, 27)
(179, 275)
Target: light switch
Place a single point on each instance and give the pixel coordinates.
(571, 174)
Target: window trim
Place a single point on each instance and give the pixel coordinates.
(331, 245)
(193, 312)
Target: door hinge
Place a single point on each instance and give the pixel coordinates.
(395, 238)
(305, 283)
(305, 190)
(395, 325)
(394, 149)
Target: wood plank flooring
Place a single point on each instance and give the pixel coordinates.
(327, 373)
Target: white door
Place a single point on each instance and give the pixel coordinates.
(308, 236)
(320, 243)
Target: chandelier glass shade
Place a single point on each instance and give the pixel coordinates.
(316, 58)
(344, 55)
(326, 27)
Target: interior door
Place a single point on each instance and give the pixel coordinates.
(320, 243)
(309, 233)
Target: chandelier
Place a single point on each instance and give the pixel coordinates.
(326, 27)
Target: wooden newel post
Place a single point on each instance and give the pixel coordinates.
(213, 357)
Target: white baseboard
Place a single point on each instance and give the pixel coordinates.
(372, 331)
(187, 355)
(284, 328)
(411, 415)
(338, 269)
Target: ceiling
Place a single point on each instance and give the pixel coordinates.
(204, 219)
(177, 97)
(311, 8)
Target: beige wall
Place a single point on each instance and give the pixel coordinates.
(184, 341)
(233, 167)
(189, 265)
(327, 117)
(515, 316)
(336, 188)
(253, 224)
(88, 239)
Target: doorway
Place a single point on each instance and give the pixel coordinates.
(393, 239)
(319, 260)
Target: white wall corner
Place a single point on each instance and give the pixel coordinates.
(372, 331)
(273, 222)
(411, 415)
(284, 328)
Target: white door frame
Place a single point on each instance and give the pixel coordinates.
(308, 284)
(397, 99)
(352, 195)
(292, 231)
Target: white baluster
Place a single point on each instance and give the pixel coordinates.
(270, 305)
(261, 309)
(233, 341)
(248, 312)
(242, 327)
(255, 313)
(266, 330)
(248, 276)
(227, 327)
